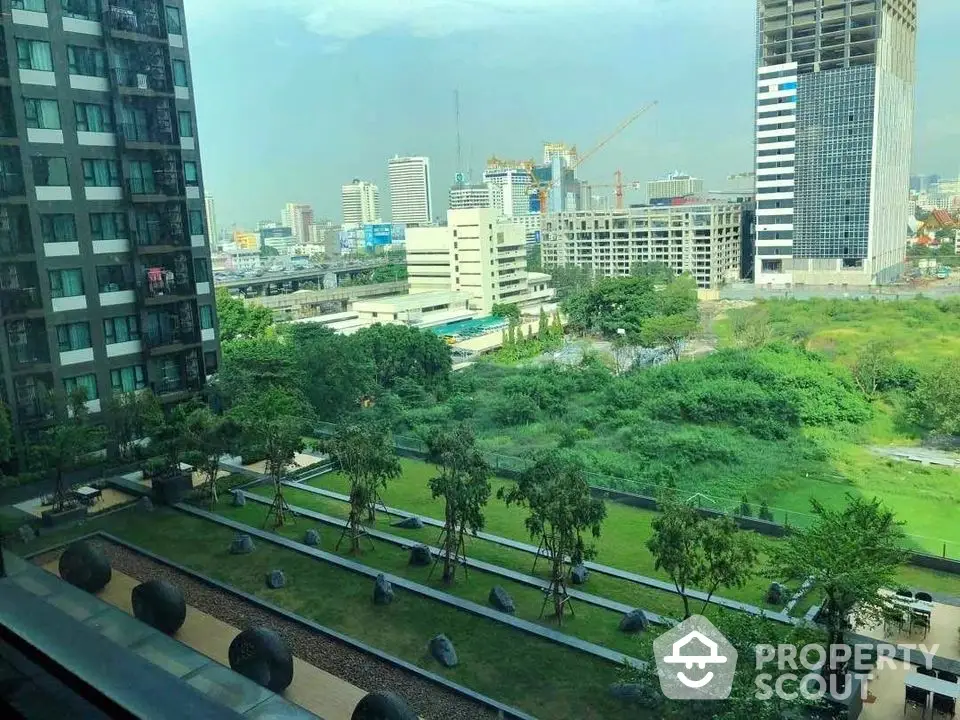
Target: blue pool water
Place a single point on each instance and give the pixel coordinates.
(463, 329)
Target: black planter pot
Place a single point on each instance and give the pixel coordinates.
(171, 489)
(64, 517)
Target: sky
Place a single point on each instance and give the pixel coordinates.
(297, 97)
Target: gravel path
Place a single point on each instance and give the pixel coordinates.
(358, 668)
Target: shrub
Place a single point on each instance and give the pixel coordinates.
(515, 410)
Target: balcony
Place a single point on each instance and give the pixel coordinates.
(161, 183)
(16, 237)
(160, 231)
(171, 336)
(175, 374)
(34, 401)
(144, 134)
(135, 19)
(11, 184)
(27, 340)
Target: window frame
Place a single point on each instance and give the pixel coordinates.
(208, 323)
(176, 65)
(196, 173)
(49, 159)
(138, 383)
(28, 43)
(68, 345)
(181, 114)
(97, 57)
(82, 114)
(57, 288)
(32, 114)
(178, 30)
(190, 215)
(132, 323)
(113, 171)
(122, 228)
(68, 381)
(48, 227)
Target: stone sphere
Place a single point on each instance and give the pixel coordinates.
(159, 604)
(382, 706)
(85, 566)
(262, 656)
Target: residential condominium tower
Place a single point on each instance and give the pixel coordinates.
(104, 258)
(361, 203)
(410, 190)
(834, 126)
(298, 218)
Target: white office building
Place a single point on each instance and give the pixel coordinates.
(470, 197)
(212, 231)
(675, 185)
(298, 218)
(410, 191)
(361, 203)
(511, 190)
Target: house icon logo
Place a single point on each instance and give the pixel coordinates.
(695, 661)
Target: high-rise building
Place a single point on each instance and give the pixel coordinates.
(467, 197)
(361, 203)
(674, 185)
(835, 88)
(410, 191)
(511, 190)
(567, 155)
(213, 234)
(298, 218)
(104, 256)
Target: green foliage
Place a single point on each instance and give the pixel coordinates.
(398, 351)
(207, 438)
(127, 418)
(506, 310)
(237, 319)
(935, 405)
(516, 410)
(267, 251)
(6, 434)
(569, 280)
(669, 331)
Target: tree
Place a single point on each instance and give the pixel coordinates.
(63, 447)
(250, 366)
(561, 510)
(464, 484)
(658, 271)
(398, 351)
(543, 328)
(751, 329)
(126, 418)
(556, 326)
(935, 404)
(209, 437)
(624, 353)
(696, 552)
(873, 365)
(670, 331)
(237, 319)
(848, 555)
(267, 251)
(369, 460)
(509, 311)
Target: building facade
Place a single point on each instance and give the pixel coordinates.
(410, 191)
(834, 132)
(469, 197)
(361, 203)
(105, 280)
(478, 252)
(703, 240)
(298, 218)
(510, 189)
(674, 186)
(213, 232)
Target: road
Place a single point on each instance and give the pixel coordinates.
(925, 456)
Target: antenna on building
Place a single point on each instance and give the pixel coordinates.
(456, 102)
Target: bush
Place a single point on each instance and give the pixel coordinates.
(515, 410)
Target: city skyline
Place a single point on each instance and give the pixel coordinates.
(307, 159)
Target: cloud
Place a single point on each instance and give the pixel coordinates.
(345, 20)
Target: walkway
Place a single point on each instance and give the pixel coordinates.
(486, 567)
(596, 567)
(414, 587)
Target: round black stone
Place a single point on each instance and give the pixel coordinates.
(159, 604)
(261, 655)
(382, 706)
(85, 566)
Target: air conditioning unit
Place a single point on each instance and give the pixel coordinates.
(142, 81)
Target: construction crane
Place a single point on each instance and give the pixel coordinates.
(543, 188)
(618, 187)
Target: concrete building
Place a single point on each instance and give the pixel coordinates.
(424, 309)
(246, 240)
(674, 186)
(361, 203)
(567, 155)
(410, 191)
(242, 260)
(470, 197)
(298, 218)
(510, 190)
(834, 133)
(700, 239)
(213, 233)
(105, 281)
(478, 252)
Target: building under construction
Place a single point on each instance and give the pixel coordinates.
(702, 239)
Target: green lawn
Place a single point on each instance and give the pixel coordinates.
(622, 543)
(537, 675)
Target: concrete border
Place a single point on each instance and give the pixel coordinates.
(507, 710)
(422, 590)
(518, 577)
(781, 617)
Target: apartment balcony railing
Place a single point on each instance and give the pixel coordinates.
(160, 337)
(15, 245)
(175, 385)
(20, 300)
(161, 237)
(11, 184)
(147, 21)
(142, 133)
(142, 80)
(34, 352)
(34, 410)
(172, 288)
(159, 184)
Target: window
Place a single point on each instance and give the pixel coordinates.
(190, 174)
(73, 336)
(186, 124)
(210, 362)
(86, 61)
(121, 329)
(174, 21)
(66, 283)
(50, 171)
(114, 278)
(81, 9)
(108, 226)
(86, 383)
(128, 379)
(196, 222)
(141, 177)
(34, 55)
(180, 78)
(100, 173)
(201, 271)
(206, 317)
(93, 118)
(58, 228)
(42, 114)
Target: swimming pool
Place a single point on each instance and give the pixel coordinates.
(463, 329)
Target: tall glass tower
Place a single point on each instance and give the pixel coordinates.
(834, 130)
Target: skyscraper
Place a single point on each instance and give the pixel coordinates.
(361, 203)
(298, 218)
(410, 190)
(213, 233)
(511, 190)
(835, 84)
(104, 257)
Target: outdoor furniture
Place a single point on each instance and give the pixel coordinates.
(919, 619)
(929, 672)
(944, 705)
(87, 495)
(925, 596)
(947, 676)
(916, 697)
(893, 620)
(905, 593)
(917, 682)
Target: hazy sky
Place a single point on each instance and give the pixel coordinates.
(296, 97)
